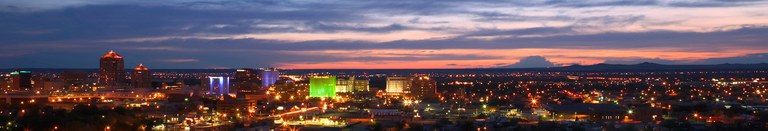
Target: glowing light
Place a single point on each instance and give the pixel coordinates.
(322, 86)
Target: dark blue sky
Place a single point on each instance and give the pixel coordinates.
(380, 34)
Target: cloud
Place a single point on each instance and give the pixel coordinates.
(179, 60)
(642, 60)
(325, 27)
(465, 34)
(744, 59)
(531, 62)
(679, 3)
(162, 48)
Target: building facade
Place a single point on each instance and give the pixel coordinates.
(398, 85)
(351, 84)
(246, 81)
(268, 76)
(142, 77)
(322, 86)
(424, 88)
(111, 71)
(362, 85)
(217, 85)
(21, 80)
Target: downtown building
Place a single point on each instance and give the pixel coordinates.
(424, 88)
(412, 87)
(398, 86)
(111, 71)
(218, 86)
(246, 82)
(351, 84)
(322, 86)
(21, 80)
(268, 77)
(248, 86)
(142, 77)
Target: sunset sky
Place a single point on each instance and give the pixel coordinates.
(385, 34)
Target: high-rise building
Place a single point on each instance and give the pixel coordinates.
(142, 77)
(424, 88)
(322, 86)
(21, 80)
(245, 79)
(111, 70)
(361, 85)
(351, 84)
(344, 85)
(268, 76)
(398, 85)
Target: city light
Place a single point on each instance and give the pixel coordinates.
(384, 65)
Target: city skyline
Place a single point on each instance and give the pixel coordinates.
(381, 34)
(376, 65)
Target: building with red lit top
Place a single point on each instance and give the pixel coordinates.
(111, 70)
(142, 77)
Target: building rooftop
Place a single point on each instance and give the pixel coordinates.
(112, 54)
(141, 67)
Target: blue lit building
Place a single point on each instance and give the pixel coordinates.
(218, 85)
(268, 77)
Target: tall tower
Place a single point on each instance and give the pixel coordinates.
(142, 77)
(111, 70)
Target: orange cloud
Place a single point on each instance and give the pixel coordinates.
(500, 56)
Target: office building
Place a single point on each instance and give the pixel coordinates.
(217, 85)
(268, 76)
(344, 85)
(361, 85)
(424, 88)
(351, 84)
(246, 82)
(111, 71)
(398, 85)
(21, 80)
(322, 86)
(142, 77)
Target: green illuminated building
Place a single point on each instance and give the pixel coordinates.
(322, 86)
